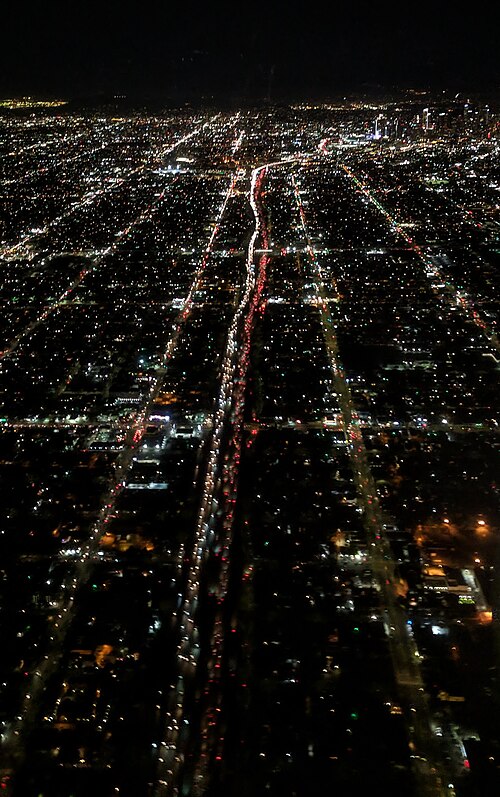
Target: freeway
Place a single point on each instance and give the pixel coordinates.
(212, 728)
(228, 426)
(170, 768)
(219, 493)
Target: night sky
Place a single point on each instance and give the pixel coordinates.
(243, 49)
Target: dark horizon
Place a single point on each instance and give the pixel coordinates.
(150, 49)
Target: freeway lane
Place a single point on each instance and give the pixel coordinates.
(170, 769)
(212, 723)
